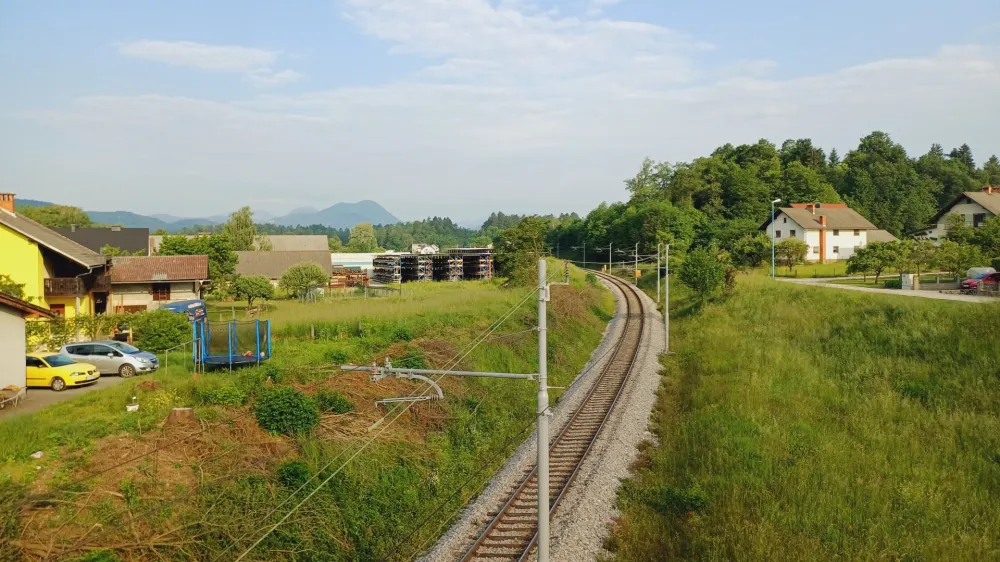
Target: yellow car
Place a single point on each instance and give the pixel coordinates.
(58, 371)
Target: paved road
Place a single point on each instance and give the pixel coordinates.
(39, 398)
(831, 283)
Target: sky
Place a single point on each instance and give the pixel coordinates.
(461, 107)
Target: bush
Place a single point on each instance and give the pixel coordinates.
(223, 396)
(591, 279)
(702, 272)
(293, 474)
(333, 401)
(287, 410)
(273, 372)
(337, 356)
(412, 359)
(160, 330)
(670, 500)
(893, 283)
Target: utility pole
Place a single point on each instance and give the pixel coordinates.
(543, 419)
(666, 300)
(609, 258)
(657, 273)
(772, 235)
(636, 274)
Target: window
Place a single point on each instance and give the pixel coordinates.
(161, 291)
(836, 232)
(784, 220)
(791, 233)
(977, 219)
(857, 232)
(33, 362)
(58, 309)
(777, 234)
(815, 249)
(836, 249)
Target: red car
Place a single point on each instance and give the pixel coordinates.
(990, 282)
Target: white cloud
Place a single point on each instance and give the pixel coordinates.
(254, 63)
(516, 109)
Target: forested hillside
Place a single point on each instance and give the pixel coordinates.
(724, 197)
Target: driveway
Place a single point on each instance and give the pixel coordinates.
(832, 284)
(39, 398)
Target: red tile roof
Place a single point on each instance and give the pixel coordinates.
(157, 269)
(25, 308)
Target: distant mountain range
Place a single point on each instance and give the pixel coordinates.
(340, 215)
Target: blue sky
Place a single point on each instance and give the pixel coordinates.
(461, 107)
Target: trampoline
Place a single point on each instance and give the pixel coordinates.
(233, 343)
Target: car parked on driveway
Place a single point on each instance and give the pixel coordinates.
(113, 357)
(986, 282)
(57, 371)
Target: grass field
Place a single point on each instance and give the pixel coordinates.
(209, 492)
(798, 424)
(929, 280)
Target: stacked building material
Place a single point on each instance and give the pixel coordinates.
(446, 267)
(344, 277)
(415, 267)
(477, 263)
(387, 269)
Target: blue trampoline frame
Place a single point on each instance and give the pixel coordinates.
(201, 332)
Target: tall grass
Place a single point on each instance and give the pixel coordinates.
(803, 424)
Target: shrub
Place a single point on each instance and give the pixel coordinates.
(702, 272)
(893, 284)
(160, 330)
(287, 410)
(667, 499)
(293, 474)
(337, 356)
(412, 359)
(333, 401)
(591, 279)
(273, 372)
(223, 396)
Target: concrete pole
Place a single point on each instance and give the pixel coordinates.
(543, 421)
(636, 274)
(666, 299)
(657, 274)
(772, 239)
(609, 258)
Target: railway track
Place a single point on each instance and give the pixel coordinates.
(512, 533)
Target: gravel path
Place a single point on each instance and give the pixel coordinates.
(830, 284)
(585, 512)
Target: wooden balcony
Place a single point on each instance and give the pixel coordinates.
(63, 287)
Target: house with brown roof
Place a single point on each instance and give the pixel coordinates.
(141, 283)
(273, 264)
(832, 231)
(57, 273)
(132, 241)
(973, 206)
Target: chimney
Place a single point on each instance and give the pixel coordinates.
(822, 218)
(988, 189)
(811, 207)
(7, 201)
(72, 228)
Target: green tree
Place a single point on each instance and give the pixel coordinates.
(302, 278)
(922, 253)
(703, 272)
(222, 259)
(957, 230)
(751, 250)
(114, 251)
(242, 232)
(519, 249)
(10, 287)
(991, 171)
(957, 258)
(987, 237)
(874, 258)
(54, 216)
(335, 244)
(251, 287)
(363, 239)
(791, 252)
(963, 154)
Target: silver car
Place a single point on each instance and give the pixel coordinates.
(113, 357)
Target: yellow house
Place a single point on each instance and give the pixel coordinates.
(57, 273)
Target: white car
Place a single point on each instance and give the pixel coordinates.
(113, 357)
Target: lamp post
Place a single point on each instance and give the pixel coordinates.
(657, 273)
(772, 235)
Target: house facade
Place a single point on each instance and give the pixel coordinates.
(832, 231)
(140, 283)
(12, 341)
(973, 206)
(58, 274)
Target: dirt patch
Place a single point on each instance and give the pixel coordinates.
(148, 385)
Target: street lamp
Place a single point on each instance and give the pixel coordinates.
(772, 235)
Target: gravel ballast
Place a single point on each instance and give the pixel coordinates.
(586, 511)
